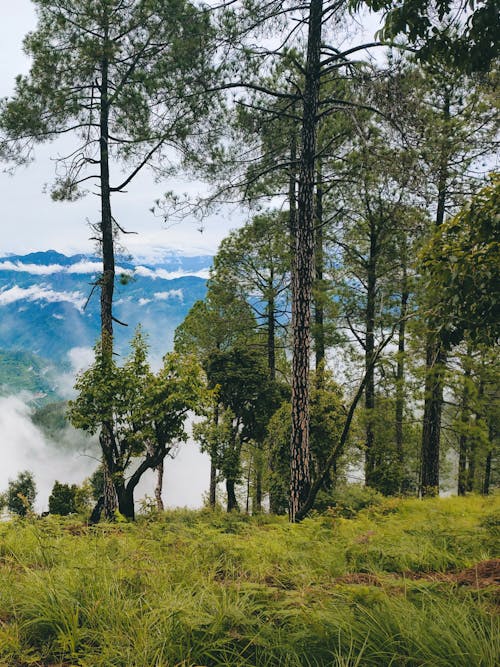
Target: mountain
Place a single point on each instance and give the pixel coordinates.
(49, 307)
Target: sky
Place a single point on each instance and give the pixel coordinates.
(31, 221)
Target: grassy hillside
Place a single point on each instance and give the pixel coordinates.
(401, 583)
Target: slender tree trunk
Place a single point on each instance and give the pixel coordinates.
(431, 432)
(212, 496)
(487, 473)
(303, 266)
(400, 372)
(370, 453)
(107, 280)
(435, 358)
(271, 330)
(464, 419)
(159, 486)
(319, 331)
(232, 503)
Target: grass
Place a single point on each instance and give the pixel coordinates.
(207, 589)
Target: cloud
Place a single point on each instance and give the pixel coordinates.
(35, 293)
(23, 446)
(171, 294)
(35, 269)
(143, 302)
(163, 274)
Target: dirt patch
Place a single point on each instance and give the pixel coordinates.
(362, 578)
(484, 574)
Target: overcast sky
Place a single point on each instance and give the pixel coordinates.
(30, 220)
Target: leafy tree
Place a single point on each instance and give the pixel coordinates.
(122, 79)
(460, 263)
(144, 413)
(255, 262)
(216, 324)
(62, 499)
(247, 397)
(463, 33)
(21, 493)
(327, 420)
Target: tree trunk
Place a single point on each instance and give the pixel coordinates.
(212, 496)
(126, 501)
(319, 331)
(107, 280)
(487, 474)
(303, 267)
(159, 486)
(435, 357)
(370, 454)
(400, 373)
(431, 432)
(271, 333)
(464, 419)
(232, 503)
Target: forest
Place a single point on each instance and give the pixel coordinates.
(341, 372)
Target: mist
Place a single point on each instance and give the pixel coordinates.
(74, 457)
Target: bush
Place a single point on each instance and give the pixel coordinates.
(347, 500)
(21, 494)
(62, 499)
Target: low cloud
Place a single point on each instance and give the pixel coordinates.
(163, 274)
(24, 447)
(71, 459)
(171, 294)
(36, 293)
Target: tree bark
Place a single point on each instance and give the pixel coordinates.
(212, 496)
(435, 358)
(319, 331)
(431, 432)
(303, 267)
(370, 454)
(159, 486)
(400, 372)
(232, 503)
(107, 280)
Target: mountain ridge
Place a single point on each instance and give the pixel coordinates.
(48, 308)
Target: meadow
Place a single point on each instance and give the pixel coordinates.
(396, 583)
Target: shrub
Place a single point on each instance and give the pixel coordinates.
(62, 500)
(21, 494)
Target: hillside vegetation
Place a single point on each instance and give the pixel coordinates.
(401, 582)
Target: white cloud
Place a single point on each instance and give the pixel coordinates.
(171, 294)
(35, 269)
(35, 293)
(143, 302)
(23, 446)
(163, 274)
(84, 267)
(81, 358)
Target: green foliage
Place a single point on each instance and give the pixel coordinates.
(145, 412)
(206, 588)
(462, 33)
(62, 499)
(461, 263)
(21, 493)
(327, 421)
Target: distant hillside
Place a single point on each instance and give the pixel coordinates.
(45, 308)
(23, 371)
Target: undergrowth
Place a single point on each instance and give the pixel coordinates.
(200, 588)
